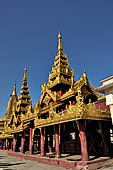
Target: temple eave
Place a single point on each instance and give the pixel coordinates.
(4, 136)
(47, 123)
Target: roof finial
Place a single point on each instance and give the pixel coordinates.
(25, 75)
(84, 74)
(14, 90)
(59, 43)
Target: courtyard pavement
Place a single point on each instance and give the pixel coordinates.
(16, 163)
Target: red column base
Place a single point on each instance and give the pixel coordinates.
(57, 156)
(42, 154)
(31, 152)
(50, 150)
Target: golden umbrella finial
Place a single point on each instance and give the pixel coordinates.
(84, 70)
(84, 73)
(25, 75)
(59, 43)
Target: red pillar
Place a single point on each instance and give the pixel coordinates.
(30, 141)
(42, 142)
(22, 144)
(83, 141)
(50, 143)
(57, 144)
(4, 145)
(7, 144)
(14, 144)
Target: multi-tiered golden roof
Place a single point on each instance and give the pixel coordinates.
(24, 98)
(61, 72)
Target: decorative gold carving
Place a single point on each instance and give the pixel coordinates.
(37, 109)
(47, 95)
(52, 113)
(29, 111)
(22, 116)
(80, 103)
(74, 112)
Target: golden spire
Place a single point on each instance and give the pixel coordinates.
(14, 90)
(61, 72)
(24, 98)
(84, 74)
(25, 75)
(59, 43)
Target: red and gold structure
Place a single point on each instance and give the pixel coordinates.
(67, 119)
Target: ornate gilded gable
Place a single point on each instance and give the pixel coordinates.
(46, 99)
(48, 96)
(12, 123)
(86, 88)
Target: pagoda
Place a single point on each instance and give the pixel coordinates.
(12, 103)
(61, 76)
(24, 98)
(3, 121)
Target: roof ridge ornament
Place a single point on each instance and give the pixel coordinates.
(84, 73)
(25, 75)
(60, 49)
(14, 90)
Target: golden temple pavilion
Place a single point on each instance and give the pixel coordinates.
(70, 116)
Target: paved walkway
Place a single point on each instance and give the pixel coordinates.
(13, 163)
(17, 163)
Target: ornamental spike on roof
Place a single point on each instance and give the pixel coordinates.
(25, 75)
(60, 49)
(14, 90)
(84, 73)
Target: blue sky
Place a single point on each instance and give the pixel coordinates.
(28, 36)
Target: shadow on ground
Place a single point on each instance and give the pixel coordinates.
(6, 165)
